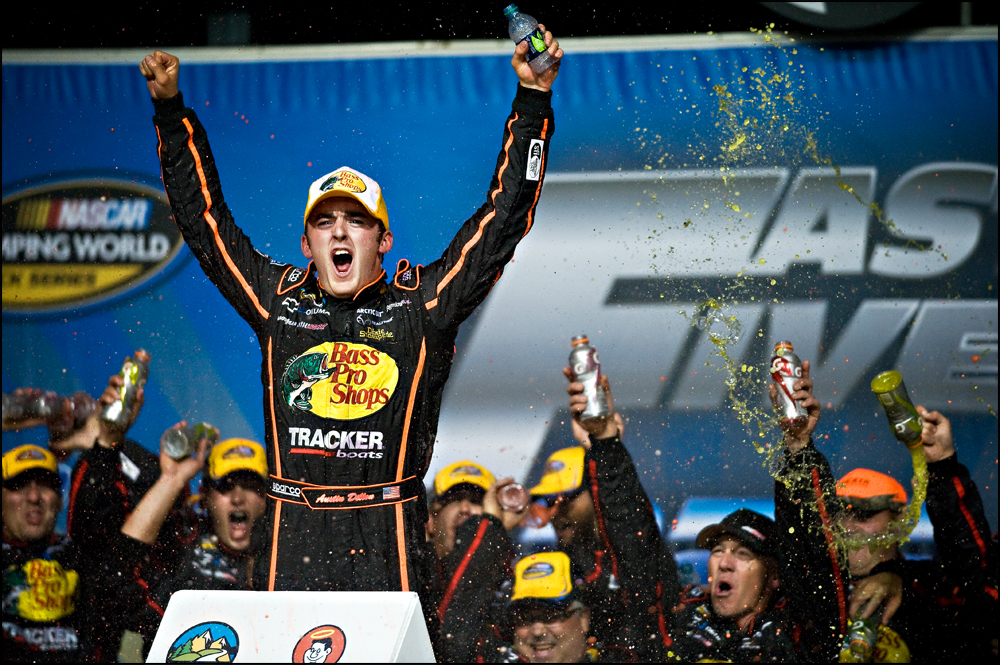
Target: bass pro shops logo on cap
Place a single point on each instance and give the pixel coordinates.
(345, 181)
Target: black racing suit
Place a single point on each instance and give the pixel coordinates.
(105, 486)
(45, 615)
(949, 603)
(352, 388)
(187, 555)
(795, 626)
(637, 605)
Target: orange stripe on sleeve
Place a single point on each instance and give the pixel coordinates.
(971, 522)
(214, 225)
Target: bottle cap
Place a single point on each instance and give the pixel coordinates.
(886, 381)
(579, 339)
(142, 354)
(783, 345)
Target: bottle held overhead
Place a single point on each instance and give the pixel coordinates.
(135, 371)
(786, 369)
(906, 423)
(586, 368)
(524, 28)
(182, 442)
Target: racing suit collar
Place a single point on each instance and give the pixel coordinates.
(367, 292)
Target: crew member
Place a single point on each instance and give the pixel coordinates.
(354, 366)
(469, 531)
(44, 618)
(207, 551)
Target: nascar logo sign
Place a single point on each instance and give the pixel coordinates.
(77, 242)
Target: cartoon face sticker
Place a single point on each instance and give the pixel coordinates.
(322, 644)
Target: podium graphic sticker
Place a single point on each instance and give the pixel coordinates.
(322, 644)
(210, 642)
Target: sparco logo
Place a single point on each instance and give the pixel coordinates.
(81, 241)
(285, 490)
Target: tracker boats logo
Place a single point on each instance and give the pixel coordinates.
(76, 242)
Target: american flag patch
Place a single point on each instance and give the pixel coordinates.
(390, 492)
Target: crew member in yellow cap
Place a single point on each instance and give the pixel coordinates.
(212, 548)
(354, 361)
(548, 617)
(468, 529)
(42, 617)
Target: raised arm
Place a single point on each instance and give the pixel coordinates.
(642, 562)
(961, 531)
(247, 278)
(145, 521)
(811, 576)
(454, 285)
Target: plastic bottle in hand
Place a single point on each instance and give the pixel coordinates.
(586, 368)
(786, 369)
(75, 412)
(522, 27)
(906, 423)
(181, 442)
(134, 373)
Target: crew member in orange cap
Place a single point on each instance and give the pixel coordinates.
(872, 500)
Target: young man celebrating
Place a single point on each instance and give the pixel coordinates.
(354, 365)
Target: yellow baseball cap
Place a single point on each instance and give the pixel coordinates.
(345, 181)
(29, 458)
(236, 455)
(462, 472)
(544, 576)
(870, 490)
(563, 472)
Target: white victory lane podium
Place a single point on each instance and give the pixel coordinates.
(292, 627)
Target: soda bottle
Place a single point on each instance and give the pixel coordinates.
(786, 369)
(181, 442)
(906, 423)
(522, 27)
(134, 373)
(586, 369)
(513, 497)
(859, 645)
(73, 415)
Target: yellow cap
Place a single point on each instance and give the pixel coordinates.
(871, 490)
(345, 181)
(236, 455)
(543, 576)
(563, 472)
(28, 457)
(462, 472)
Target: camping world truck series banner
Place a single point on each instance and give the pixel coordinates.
(705, 197)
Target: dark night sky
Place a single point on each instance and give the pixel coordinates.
(191, 24)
